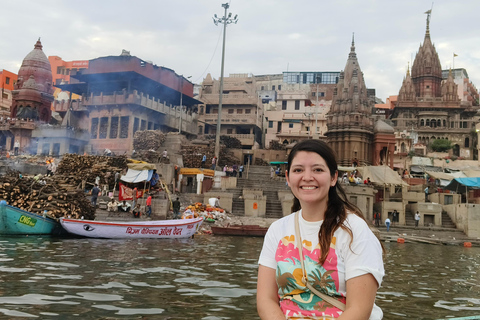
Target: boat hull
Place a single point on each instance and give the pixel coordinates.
(15, 221)
(247, 230)
(156, 229)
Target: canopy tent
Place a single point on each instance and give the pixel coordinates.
(141, 166)
(462, 184)
(136, 176)
(381, 175)
(471, 174)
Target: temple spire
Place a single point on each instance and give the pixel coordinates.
(428, 13)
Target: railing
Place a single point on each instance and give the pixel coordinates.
(231, 118)
(230, 99)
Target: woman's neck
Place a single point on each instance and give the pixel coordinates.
(313, 212)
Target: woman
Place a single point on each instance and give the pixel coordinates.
(342, 258)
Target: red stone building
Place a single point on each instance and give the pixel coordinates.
(121, 95)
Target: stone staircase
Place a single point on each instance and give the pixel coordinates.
(447, 221)
(259, 178)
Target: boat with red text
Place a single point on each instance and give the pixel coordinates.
(154, 229)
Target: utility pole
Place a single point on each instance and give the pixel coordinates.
(226, 19)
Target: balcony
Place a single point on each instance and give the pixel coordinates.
(234, 99)
(250, 119)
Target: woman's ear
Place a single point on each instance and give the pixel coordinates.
(286, 177)
(334, 179)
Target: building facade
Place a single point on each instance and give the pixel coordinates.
(241, 114)
(429, 106)
(119, 96)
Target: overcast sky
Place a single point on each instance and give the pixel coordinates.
(271, 36)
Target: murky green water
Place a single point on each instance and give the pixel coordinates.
(204, 278)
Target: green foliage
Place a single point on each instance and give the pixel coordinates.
(441, 145)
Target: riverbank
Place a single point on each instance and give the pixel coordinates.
(429, 235)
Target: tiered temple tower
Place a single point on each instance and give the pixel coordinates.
(32, 97)
(430, 107)
(349, 122)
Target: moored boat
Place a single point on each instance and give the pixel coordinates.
(15, 221)
(240, 230)
(183, 228)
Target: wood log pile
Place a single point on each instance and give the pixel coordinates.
(148, 140)
(275, 145)
(227, 141)
(261, 162)
(79, 168)
(193, 154)
(54, 194)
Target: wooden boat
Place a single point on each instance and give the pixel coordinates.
(182, 228)
(240, 230)
(15, 221)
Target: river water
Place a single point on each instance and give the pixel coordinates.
(205, 278)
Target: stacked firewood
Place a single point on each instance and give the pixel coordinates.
(261, 162)
(227, 141)
(275, 145)
(81, 169)
(148, 140)
(192, 156)
(55, 195)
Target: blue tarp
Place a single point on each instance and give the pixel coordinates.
(459, 184)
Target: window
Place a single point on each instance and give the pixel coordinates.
(247, 111)
(467, 142)
(273, 87)
(279, 87)
(290, 125)
(321, 94)
(263, 88)
(229, 131)
(353, 200)
(103, 128)
(297, 104)
(422, 123)
(448, 199)
(7, 80)
(124, 124)
(113, 127)
(143, 125)
(313, 93)
(284, 105)
(270, 124)
(94, 128)
(230, 111)
(452, 124)
(59, 70)
(135, 125)
(239, 111)
(200, 129)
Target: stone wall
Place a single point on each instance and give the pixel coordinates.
(427, 210)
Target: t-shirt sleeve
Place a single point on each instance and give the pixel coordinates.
(365, 255)
(269, 249)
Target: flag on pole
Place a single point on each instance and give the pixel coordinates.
(455, 55)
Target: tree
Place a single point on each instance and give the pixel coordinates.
(441, 145)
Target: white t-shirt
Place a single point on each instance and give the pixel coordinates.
(343, 262)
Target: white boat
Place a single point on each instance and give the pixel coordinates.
(155, 229)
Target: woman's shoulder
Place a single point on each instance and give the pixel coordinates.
(356, 223)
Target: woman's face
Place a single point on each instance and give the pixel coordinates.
(309, 178)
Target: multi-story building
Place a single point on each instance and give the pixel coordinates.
(432, 108)
(242, 113)
(465, 88)
(299, 107)
(7, 82)
(119, 96)
(61, 71)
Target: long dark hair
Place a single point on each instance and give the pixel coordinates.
(337, 205)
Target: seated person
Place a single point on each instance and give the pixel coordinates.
(124, 206)
(112, 205)
(136, 211)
